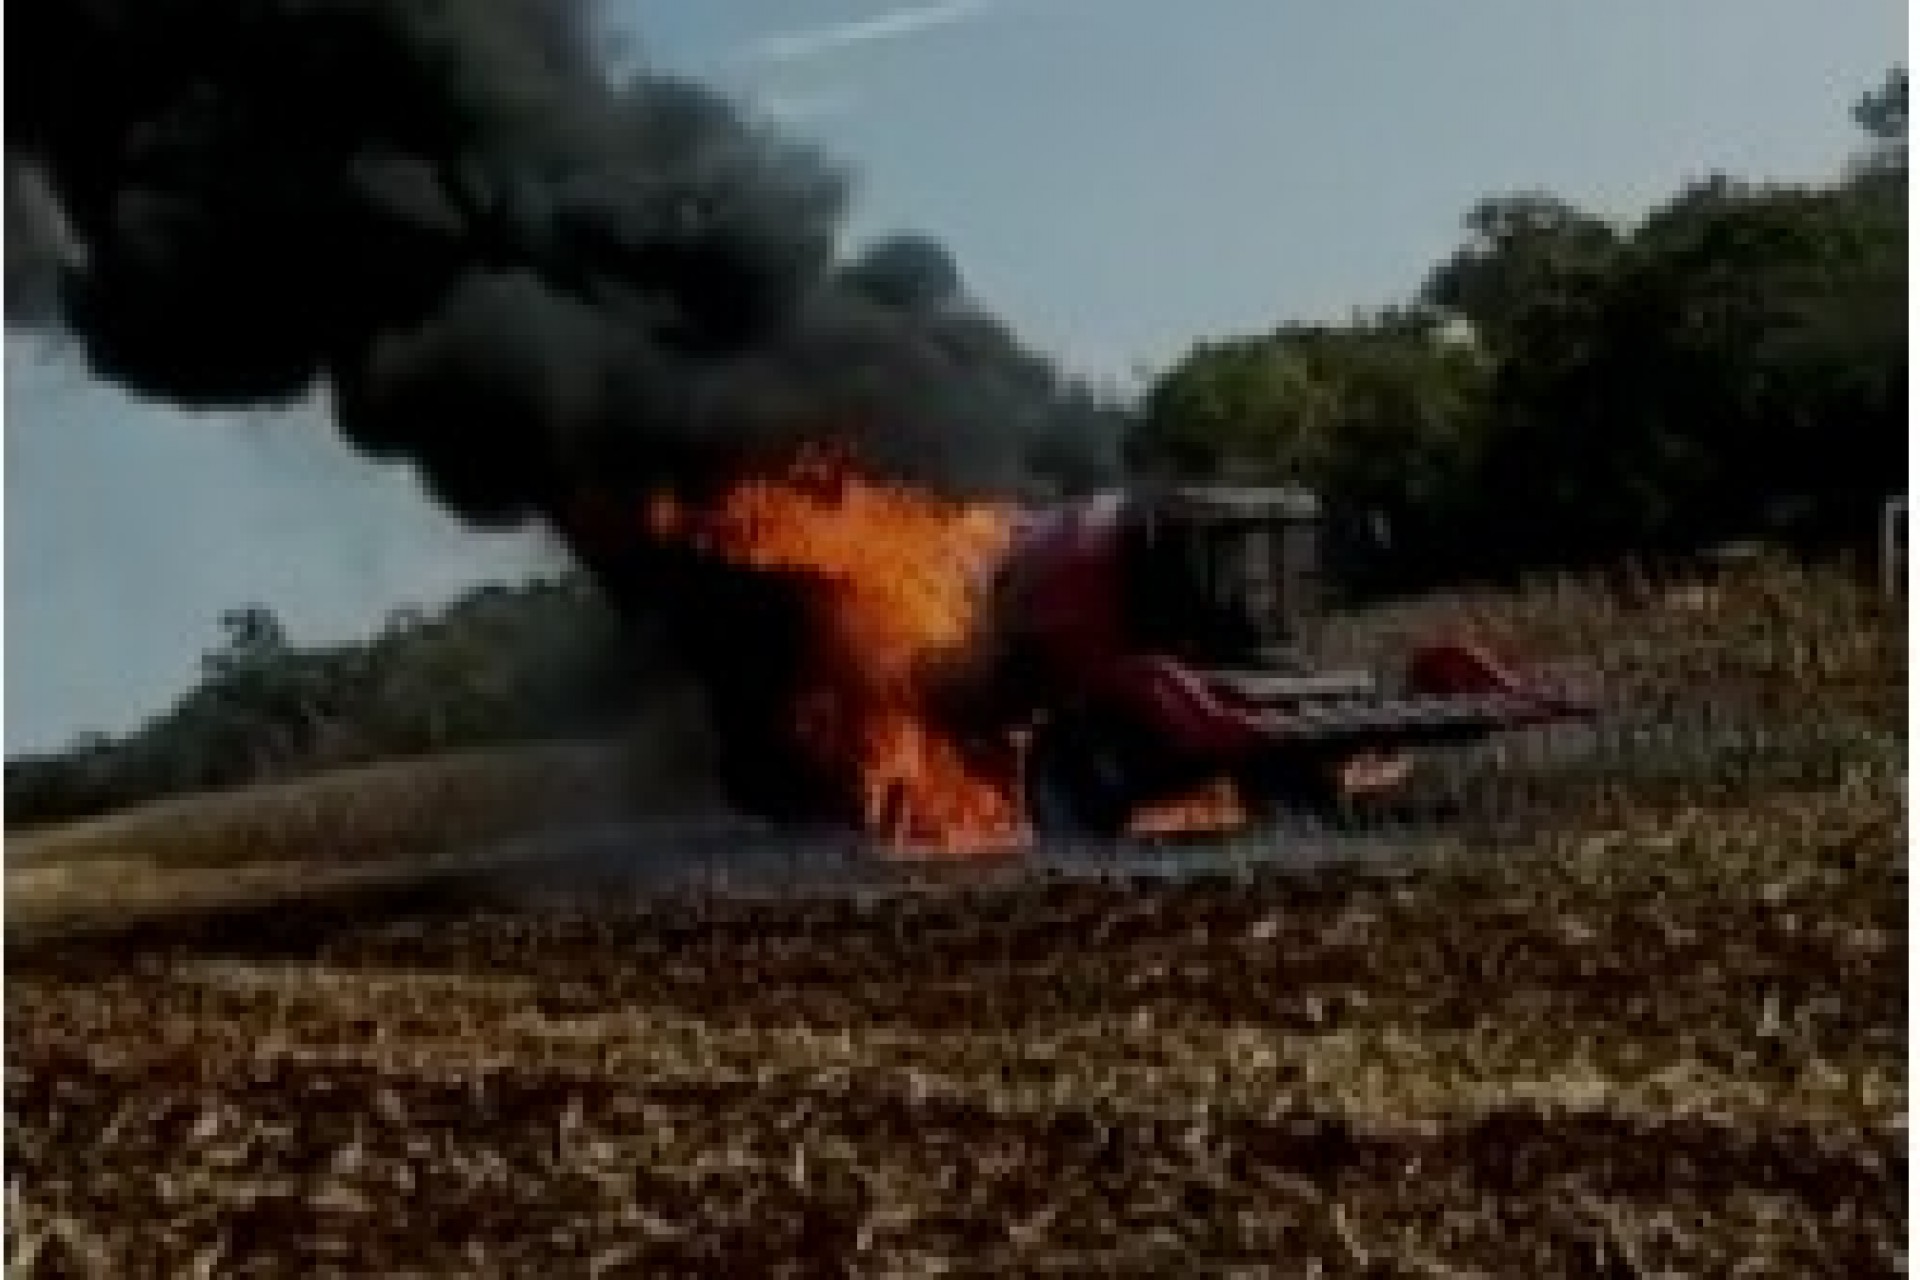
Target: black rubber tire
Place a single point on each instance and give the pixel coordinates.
(1077, 784)
(1274, 791)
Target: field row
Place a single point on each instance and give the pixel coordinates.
(1674, 1044)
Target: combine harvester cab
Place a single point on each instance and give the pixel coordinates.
(1164, 642)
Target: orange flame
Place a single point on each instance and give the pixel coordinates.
(1215, 807)
(896, 580)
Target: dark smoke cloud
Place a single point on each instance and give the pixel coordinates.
(504, 265)
(546, 288)
(40, 251)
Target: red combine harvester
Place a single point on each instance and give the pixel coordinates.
(1153, 643)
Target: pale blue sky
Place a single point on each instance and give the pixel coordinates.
(1117, 176)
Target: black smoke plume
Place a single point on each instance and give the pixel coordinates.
(545, 285)
(503, 262)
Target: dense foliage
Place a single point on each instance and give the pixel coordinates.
(1565, 391)
(497, 665)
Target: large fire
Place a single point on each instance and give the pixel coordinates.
(896, 595)
(895, 590)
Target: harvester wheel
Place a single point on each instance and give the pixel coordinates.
(1275, 791)
(1077, 783)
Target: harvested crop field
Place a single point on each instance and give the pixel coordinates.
(1673, 1049)
(1664, 1036)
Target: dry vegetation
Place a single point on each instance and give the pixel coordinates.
(1664, 1037)
(347, 828)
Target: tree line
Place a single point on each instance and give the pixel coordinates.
(1563, 391)
(499, 664)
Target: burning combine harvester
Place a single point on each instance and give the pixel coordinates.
(536, 279)
(966, 676)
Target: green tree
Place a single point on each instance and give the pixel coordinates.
(1383, 417)
(1532, 261)
(1252, 406)
(1882, 114)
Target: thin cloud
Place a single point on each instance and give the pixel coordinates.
(894, 24)
(807, 107)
